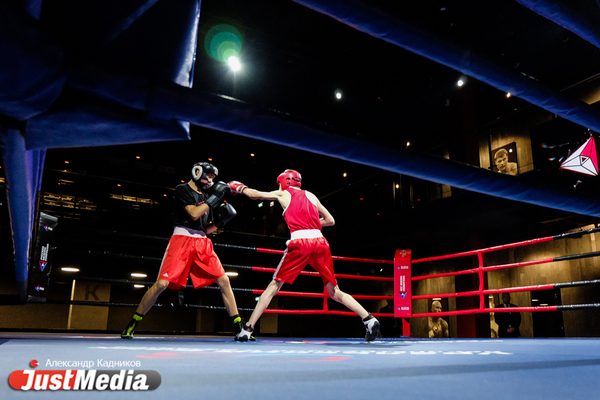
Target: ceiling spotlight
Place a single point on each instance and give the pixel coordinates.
(397, 186)
(231, 273)
(138, 286)
(138, 275)
(251, 154)
(460, 83)
(338, 94)
(345, 175)
(407, 144)
(69, 269)
(508, 95)
(234, 63)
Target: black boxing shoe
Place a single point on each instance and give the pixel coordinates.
(128, 331)
(245, 334)
(372, 325)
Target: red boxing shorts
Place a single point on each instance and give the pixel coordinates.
(302, 252)
(194, 256)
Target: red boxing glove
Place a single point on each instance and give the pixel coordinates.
(237, 187)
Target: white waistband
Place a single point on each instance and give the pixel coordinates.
(306, 234)
(184, 231)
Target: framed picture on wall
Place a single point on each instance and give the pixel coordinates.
(438, 326)
(505, 159)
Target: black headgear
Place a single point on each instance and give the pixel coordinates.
(200, 173)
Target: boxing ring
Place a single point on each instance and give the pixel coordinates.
(481, 293)
(326, 367)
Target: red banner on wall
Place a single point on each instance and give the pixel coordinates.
(402, 284)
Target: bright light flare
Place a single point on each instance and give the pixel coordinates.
(223, 42)
(234, 63)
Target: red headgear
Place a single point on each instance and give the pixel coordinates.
(289, 178)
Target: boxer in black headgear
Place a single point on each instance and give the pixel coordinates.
(190, 252)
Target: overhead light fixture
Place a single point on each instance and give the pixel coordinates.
(69, 269)
(344, 174)
(138, 275)
(460, 83)
(338, 94)
(234, 63)
(231, 273)
(138, 286)
(407, 144)
(508, 95)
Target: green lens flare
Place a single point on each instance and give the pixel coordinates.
(223, 41)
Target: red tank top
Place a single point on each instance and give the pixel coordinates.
(301, 213)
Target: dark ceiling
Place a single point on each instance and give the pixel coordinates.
(293, 60)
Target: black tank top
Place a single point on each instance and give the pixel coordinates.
(185, 196)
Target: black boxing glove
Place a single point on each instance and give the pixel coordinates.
(223, 214)
(217, 192)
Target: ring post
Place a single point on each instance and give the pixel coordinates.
(402, 288)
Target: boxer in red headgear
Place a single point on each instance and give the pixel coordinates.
(304, 215)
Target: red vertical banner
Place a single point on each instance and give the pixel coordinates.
(402, 284)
